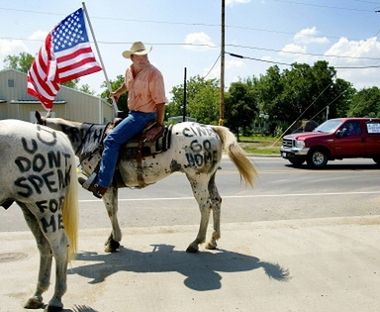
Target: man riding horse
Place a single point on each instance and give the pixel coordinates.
(146, 103)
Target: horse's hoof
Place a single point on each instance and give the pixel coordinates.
(191, 249)
(53, 309)
(34, 303)
(112, 246)
(210, 246)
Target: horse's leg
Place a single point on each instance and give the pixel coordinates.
(216, 204)
(36, 301)
(110, 200)
(52, 243)
(58, 242)
(201, 193)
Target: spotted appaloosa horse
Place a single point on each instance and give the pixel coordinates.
(195, 150)
(38, 172)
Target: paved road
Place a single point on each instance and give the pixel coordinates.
(345, 188)
(301, 241)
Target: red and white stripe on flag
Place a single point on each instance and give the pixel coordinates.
(65, 55)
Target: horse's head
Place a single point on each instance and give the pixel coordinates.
(84, 137)
(40, 120)
(55, 123)
(45, 120)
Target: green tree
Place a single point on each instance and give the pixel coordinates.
(365, 103)
(202, 100)
(175, 106)
(342, 94)
(241, 106)
(302, 91)
(268, 89)
(21, 62)
(86, 89)
(122, 103)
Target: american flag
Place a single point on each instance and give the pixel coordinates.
(65, 55)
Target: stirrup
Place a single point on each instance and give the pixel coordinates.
(86, 183)
(90, 185)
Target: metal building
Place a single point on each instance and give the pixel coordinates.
(71, 104)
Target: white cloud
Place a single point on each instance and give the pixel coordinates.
(294, 48)
(198, 41)
(232, 2)
(356, 49)
(352, 53)
(309, 35)
(292, 53)
(38, 35)
(352, 48)
(10, 47)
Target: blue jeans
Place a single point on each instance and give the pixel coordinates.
(124, 131)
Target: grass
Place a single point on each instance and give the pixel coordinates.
(261, 145)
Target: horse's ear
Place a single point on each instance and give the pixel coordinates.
(37, 114)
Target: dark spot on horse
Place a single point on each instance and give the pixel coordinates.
(174, 166)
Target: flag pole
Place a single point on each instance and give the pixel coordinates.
(114, 105)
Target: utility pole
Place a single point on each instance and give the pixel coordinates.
(184, 95)
(222, 45)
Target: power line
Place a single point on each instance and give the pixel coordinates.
(212, 67)
(369, 2)
(128, 20)
(230, 45)
(304, 53)
(324, 6)
(305, 110)
(258, 59)
(238, 55)
(290, 64)
(337, 97)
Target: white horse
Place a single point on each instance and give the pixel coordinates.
(38, 172)
(191, 148)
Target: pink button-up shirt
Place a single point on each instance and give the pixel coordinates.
(145, 90)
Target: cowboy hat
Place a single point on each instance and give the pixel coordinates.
(137, 48)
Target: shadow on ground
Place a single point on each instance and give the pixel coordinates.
(80, 308)
(200, 269)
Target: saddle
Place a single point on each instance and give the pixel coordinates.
(154, 139)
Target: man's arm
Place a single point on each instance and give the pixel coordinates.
(160, 113)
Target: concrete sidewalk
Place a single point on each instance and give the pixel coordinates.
(300, 265)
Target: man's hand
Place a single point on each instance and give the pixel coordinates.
(115, 96)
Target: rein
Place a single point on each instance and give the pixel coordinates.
(84, 139)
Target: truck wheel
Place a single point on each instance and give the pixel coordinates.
(317, 159)
(296, 162)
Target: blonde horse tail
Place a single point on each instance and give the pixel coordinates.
(70, 209)
(246, 169)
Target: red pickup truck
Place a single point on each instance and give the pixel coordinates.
(334, 139)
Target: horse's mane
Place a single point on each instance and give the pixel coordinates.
(86, 137)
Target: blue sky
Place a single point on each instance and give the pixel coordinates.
(187, 34)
